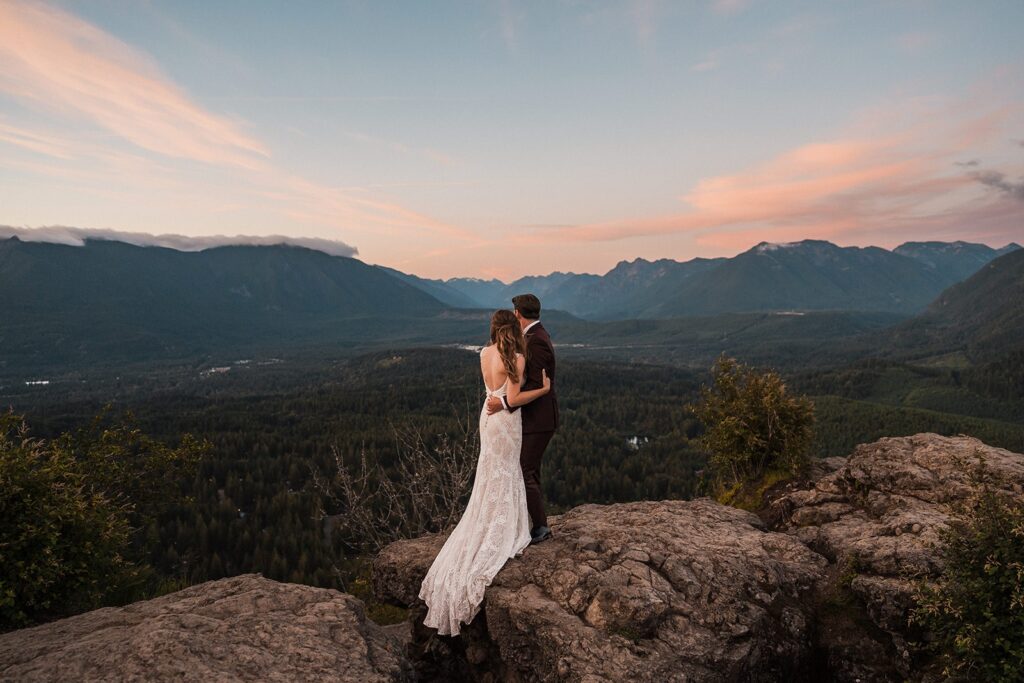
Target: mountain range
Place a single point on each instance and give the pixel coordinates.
(66, 305)
(114, 299)
(810, 275)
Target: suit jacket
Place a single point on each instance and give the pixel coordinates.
(539, 415)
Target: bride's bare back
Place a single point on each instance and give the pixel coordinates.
(492, 368)
(495, 376)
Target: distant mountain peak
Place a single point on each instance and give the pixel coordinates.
(936, 245)
(946, 247)
(626, 263)
(764, 247)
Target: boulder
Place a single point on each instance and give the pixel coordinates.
(877, 516)
(646, 591)
(245, 628)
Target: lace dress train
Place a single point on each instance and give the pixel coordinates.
(494, 528)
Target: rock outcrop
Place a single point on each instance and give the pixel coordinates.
(818, 588)
(647, 591)
(877, 516)
(246, 628)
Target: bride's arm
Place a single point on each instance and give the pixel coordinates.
(515, 396)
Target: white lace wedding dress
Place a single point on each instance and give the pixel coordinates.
(494, 528)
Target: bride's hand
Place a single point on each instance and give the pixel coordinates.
(545, 381)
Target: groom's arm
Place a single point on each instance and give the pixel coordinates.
(539, 358)
(504, 402)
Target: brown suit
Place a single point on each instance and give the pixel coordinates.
(540, 418)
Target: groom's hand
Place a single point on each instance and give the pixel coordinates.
(494, 405)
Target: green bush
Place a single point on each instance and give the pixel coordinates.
(975, 610)
(72, 509)
(754, 429)
(140, 474)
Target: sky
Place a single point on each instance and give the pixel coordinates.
(498, 138)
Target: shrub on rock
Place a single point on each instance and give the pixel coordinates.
(755, 431)
(975, 610)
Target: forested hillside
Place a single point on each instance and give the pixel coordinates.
(625, 436)
(981, 318)
(110, 301)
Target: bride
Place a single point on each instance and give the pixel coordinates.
(495, 525)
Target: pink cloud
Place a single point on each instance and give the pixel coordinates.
(55, 61)
(890, 171)
(34, 141)
(329, 206)
(706, 65)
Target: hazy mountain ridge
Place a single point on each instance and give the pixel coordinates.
(113, 298)
(439, 289)
(983, 316)
(806, 275)
(960, 258)
(278, 278)
(112, 302)
(810, 275)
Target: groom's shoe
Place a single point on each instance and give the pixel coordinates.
(541, 533)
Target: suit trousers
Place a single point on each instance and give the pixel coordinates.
(529, 459)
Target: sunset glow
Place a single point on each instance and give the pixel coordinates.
(501, 139)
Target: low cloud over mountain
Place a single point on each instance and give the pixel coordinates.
(60, 234)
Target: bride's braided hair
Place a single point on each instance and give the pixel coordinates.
(507, 336)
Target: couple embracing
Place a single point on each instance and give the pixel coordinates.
(517, 421)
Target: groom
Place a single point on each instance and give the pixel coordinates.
(540, 417)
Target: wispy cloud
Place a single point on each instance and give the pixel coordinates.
(34, 141)
(429, 153)
(510, 20)
(133, 125)
(770, 49)
(644, 14)
(998, 180)
(711, 62)
(54, 61)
